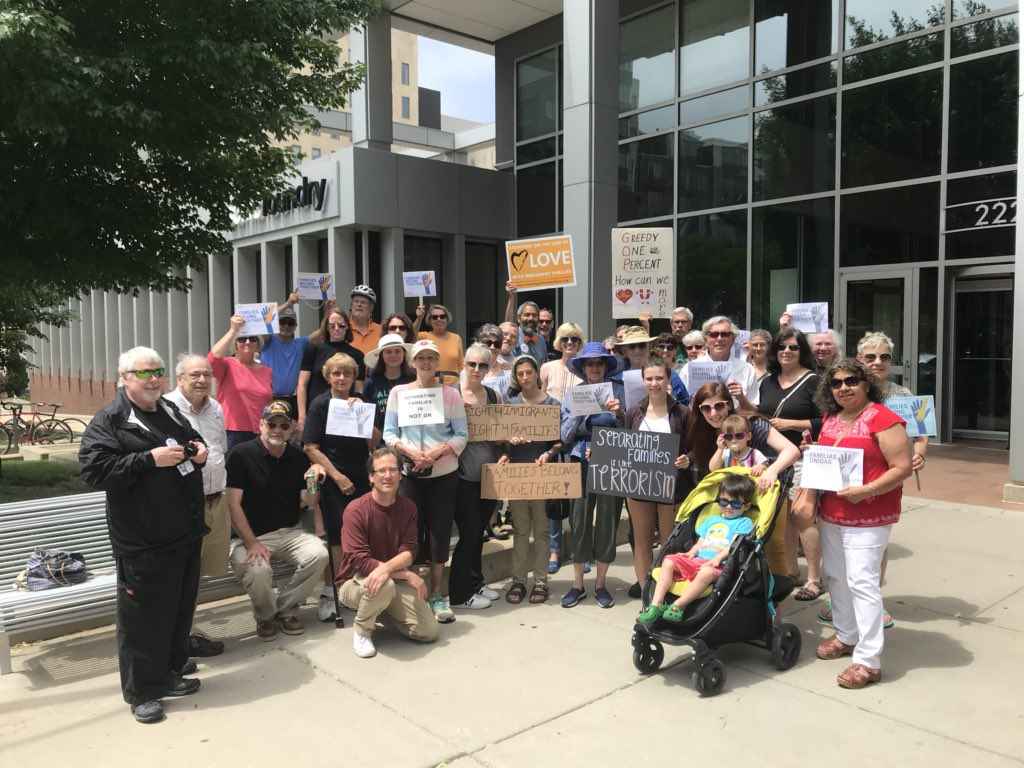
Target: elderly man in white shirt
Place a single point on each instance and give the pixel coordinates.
(192, 396)
(720, 333)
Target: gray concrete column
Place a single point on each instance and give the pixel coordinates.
(590, 110)
(246, 275)
(141, 315)
(160, 325)
(199, 310)
(371, 104)
(65, 344)
(113, 335)
(274, 283)
(392, 264)
(75, 339)
(85, 336)
(177, 326)
(99, 333)
(1014, 489)
(220, 287)
(304, 259)
(455, 281)
(125, 322)
(341, 260)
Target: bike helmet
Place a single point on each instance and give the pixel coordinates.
(365, 291)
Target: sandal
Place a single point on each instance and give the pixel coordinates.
(649, 616)
(516, 593)
(858, 676)
(673, 615)
(811, 590)
(833, 648)
(539, 593)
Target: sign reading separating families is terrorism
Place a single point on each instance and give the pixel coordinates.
(317, 286)
(260, 319)
(810, 317)
(918, 412)
(531, 481)
(420, 407)
(503, 422)
(636, 465)
(541, 262)
(826, 468)
(421, 283)
(643, 272)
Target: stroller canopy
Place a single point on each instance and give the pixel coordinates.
(762, 513)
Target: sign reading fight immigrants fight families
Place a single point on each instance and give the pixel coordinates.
(832, 469)
(531, 481)
(643, 272)
(419, 407)
(918, 412)
(809, 317)
(503, 422)
(260, 319)
(421, 283)
(541, 262)
(316, 286)
(636, 465)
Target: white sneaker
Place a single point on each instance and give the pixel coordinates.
(476, 602)
(490, 594)
(442, 610)
(325, 608)
(363, 646)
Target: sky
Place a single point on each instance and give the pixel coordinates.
(465, 79)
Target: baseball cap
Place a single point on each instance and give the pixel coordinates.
(277, 409)
(284, 312)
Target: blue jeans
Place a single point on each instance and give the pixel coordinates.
(554, 535)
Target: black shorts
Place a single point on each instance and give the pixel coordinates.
(434, 498)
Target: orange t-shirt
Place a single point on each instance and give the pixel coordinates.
(449, 348)
(367, 340)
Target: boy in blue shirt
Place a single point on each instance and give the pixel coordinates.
(702, 565)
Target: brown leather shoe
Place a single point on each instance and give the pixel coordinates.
(266, 630)
(858, 676)
(834, 648)
(291, 625)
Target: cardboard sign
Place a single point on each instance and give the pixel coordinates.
(635, 465)
(318, 286)
(420, 407)
(700, 372)
(643, 272)
(918, 412)
(810, 317)
(260, 319)
(344, 420)
(633, 384)
(419, 283)
(541, 262)
(531, 481)
(832, 469)
(503, 422)
(587, 399)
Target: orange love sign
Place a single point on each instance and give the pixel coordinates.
(541, 262)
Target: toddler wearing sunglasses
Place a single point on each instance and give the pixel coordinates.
(734, 447)
(702, 564)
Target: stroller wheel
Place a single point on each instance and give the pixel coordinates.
(648, 654)
(786, 642)
(709, 677)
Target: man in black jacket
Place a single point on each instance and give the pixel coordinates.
(144, 454)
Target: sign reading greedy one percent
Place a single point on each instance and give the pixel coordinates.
(503, 422)
(643, 272)
(541, 262)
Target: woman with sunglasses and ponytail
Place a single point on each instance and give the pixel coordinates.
(244, 385)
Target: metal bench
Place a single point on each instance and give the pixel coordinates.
(76, 524)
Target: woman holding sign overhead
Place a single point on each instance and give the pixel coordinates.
(856, 521)
(244, 386)
(426, 422)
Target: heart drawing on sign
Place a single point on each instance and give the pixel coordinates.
(624, 294)
(644, 294)
(519, 259)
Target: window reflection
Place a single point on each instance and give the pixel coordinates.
(794, 84)
(535, 200)
(964, 8)
(646, 63)
(647, 122)
(870, 233)
(985, 35)
(794, 149)
(983, 230)
(645, 178)
(915, 52)
(789, 32)
(711, 274)
(983, 112)
(705, 108)
(715, 43)
(870, 21)
(535, 98)
(713, 165)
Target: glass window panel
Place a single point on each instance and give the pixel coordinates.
(424, 253)
(870, 21)
(536, 200)
(892, 130)
(792, 257)
(890, 226)
(705, 108)
(711, 273)
(714, 43)
(983, 112)
(646, 61)
(647, 122)
(535, 96)
(713, 165)
(789, 32)
(927, 329)
(965, 8)
(803, 82)
(538, 150)
(645, 178)
(485, 284)
(986, 233)
(984, 35)
(893, 58)
(794, 149)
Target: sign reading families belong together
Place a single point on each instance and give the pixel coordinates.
(643, 272)
(531, 481)
(637, 465)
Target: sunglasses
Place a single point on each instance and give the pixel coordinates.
(278, 426)
(477, 366)
(148, 373)
(869, 357)
(728, 436)
(719, 334)
(849, 381)
(286, 321)
(342, 326)
(636, 346)
(788, 347)
(593, 363)
(398, 328)
(665, 345)
(718, 407)
(492, 343)
(695, 346)
(439, 317)
(572, 340)
(247, 340)
(733, 503)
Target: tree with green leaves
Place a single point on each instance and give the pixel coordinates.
(132, 133)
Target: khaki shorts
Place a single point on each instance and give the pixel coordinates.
(214, 557)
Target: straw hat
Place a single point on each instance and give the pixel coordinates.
(635, 334)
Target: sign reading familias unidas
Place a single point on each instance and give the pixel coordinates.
(636, 465)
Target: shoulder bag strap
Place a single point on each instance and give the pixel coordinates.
(792, 391)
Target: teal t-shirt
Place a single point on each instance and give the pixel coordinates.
(717, 532)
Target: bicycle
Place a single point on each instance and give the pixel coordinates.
(43, 428)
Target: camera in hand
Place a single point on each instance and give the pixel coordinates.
(191, 449)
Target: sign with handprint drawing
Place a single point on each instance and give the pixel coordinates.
(541, 262)
(918, 412)
(832, 469)
(317, 286)
(809, 317)
(421, 283)
(260, 319)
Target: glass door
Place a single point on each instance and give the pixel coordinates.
(879, 301)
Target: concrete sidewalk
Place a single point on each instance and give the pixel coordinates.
(518, 686)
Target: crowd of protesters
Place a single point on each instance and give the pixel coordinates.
(220, 472)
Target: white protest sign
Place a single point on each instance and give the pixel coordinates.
(701, 372)
(810, 317)
(419, 407)
(832, 469)
(633, 384)
(260, 319)
(918, 412)
(419, 283)
(344, 420)
(742, 338)
(643, 272)
(318, 286)
(587, 399)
